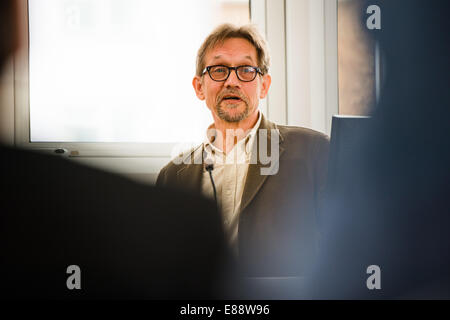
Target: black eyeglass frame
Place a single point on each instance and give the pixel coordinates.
(208, 68)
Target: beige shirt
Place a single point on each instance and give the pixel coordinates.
(230, 171)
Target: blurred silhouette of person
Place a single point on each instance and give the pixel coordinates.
(392, 209)
(129, 240)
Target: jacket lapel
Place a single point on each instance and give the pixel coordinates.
(189, 176)
(255, 179)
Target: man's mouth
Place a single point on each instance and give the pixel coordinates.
(231, 98)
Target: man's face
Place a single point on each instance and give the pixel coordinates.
(232, 52)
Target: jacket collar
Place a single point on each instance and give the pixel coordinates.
(191, 179)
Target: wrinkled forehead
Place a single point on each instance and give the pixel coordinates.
(232, 50)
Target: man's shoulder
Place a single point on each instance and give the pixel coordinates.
(304, 142)
(188, 156)
(295, 132)
(182, 160)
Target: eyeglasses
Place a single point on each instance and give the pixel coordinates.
(243, 73)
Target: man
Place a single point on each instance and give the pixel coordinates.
(269, 203)
(72, 232)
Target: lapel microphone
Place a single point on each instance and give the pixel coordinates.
(210, 168)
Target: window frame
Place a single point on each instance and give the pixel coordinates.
(269, 16)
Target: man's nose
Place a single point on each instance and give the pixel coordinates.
(232, 80)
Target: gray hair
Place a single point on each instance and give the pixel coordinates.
(227, 31)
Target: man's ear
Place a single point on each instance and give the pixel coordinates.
(197, 83)
(265, 85)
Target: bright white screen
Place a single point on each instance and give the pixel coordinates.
(120, 70)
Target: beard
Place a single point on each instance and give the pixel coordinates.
(235, 117)
(227, 116)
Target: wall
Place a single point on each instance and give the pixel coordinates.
(7, 104)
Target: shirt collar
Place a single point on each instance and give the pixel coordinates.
(209, 141)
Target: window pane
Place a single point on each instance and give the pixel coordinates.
(120, 71)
